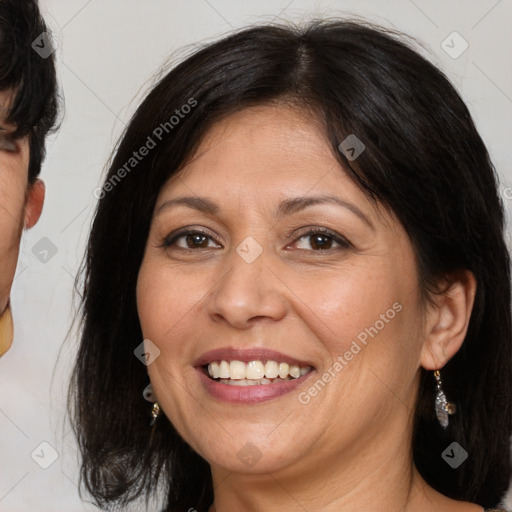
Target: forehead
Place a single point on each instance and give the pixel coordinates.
(261, 155)
(265, 144)
(272, 127)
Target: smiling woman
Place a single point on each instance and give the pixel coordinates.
(28, 109)
(324, 223)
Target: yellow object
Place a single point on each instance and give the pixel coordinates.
(6, 330)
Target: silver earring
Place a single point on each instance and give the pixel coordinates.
(442, 406)
(149, 395)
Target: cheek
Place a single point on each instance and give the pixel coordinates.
(164, 297)
(367, 327)
(11, 226)
(169, 305)
(344, 305)
(366, 319)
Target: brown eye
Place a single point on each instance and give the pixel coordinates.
(190, 239)
(196, 240)
(322, 240)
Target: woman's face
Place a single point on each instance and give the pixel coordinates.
(253, 284)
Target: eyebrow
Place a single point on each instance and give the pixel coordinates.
(286, 207)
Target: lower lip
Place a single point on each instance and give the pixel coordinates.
(249, 394)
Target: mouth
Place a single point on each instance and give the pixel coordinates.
(254, 373)
(251, 375)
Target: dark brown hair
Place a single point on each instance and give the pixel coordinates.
(30, 75)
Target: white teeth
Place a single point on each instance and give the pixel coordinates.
(224, 370)
(294, 371)
(254, 372)
(284, 368)
(236, 370)
(271, 369)
(248, 382)
(214, 370)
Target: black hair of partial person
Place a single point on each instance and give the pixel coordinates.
(424, 160)
(34, 106)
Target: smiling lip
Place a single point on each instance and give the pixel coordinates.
(248, 394)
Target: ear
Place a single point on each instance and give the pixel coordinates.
(34, 203)
(448, 320)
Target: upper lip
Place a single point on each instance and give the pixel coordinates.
(246, 355)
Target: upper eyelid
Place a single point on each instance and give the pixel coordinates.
(313, 228)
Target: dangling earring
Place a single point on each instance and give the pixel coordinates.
(149, 395)
(155, 412)
(443, 408)
(6, 330)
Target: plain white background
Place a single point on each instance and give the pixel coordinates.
(107, 53)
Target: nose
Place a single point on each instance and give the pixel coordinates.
(247, 293)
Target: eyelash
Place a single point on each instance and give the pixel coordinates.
(341, 241)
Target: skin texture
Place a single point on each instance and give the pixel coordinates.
(20, 204)
(332, 453)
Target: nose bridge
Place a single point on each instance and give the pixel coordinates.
(247, 289)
